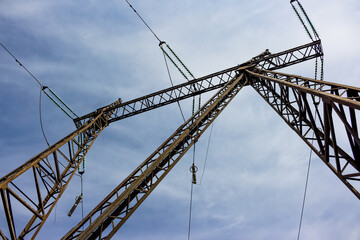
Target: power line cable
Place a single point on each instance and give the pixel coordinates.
(40, 116)
(22, 65)
(51, 94)
(190, 213)
(172, 84)
(143, 20)
(193, 168)
(306, 186)
(304, 197)
(207, 152)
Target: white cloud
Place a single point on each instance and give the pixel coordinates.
(91, 53)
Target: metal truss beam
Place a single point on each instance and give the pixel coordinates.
(325, 115)
(117, 207)
(207, 83)
(50, 172)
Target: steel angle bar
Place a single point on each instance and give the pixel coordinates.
(117, 207)
(50, 179)
(207, 83)
(303, 114)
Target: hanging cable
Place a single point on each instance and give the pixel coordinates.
(304, 198)
(180, 66)
(185, 72)
(172, 84)
(40, 116)
(207, 152)
(306, 185)
(193, 170)
(48, 92)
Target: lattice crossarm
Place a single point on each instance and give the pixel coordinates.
(319, 125)
(133, 190)
(302, 84)
(51, 172)
(207, 83)
(290, 57)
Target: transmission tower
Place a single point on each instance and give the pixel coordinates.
(317, 111)
(296, 99)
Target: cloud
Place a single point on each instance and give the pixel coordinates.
(91, 53)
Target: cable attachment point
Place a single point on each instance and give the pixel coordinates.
(161, 43)
(193, 170)
(18, 62)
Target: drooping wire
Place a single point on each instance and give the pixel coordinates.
(316, 104)
(172, 84)
(306, 185)
(304, 197)
(181, 67)
(207, 152)
(193, 169)
(40, 116)
(190, 213)
(48, 92)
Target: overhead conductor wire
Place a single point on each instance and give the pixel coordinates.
(185, 72)
(164, 53)
(54, 98)
(316, 103)
(51, 94)
(172, 84)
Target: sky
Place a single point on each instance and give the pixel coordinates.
(93, 52)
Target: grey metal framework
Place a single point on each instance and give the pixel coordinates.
(314, 109)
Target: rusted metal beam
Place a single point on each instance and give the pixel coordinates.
(207, 83)
(341, 158)
(8, 213)
(117, 207)
(54, 178)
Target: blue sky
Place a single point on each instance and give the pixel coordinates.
(93, 52)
